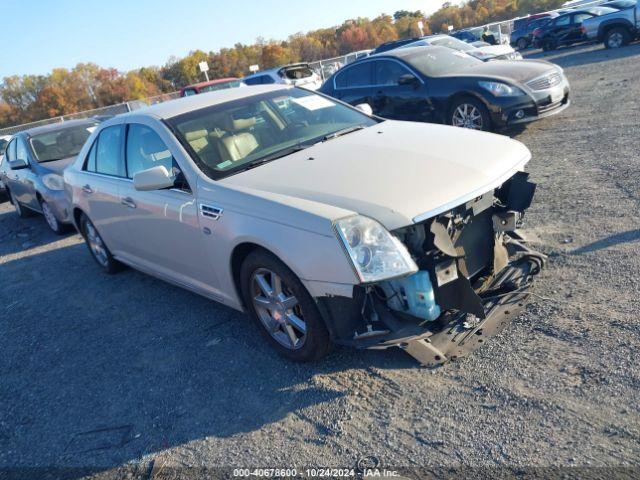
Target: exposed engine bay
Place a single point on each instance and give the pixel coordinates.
(474, 275)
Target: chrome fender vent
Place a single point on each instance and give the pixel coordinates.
(210, 211)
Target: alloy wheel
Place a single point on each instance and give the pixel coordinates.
(615, 40)
(51, 219)
(467, 116)
(96, 244)
(278, 309)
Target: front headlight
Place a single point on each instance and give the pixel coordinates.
(53, 181)
(375, 253)
(500, 89)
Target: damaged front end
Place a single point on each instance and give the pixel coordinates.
(474, 276)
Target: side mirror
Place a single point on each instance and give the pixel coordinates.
(365, 108)
(18, 164)
(407, 79)
(155, 178)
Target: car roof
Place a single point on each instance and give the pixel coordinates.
(403, 53)
(52, 127)
(182, 105)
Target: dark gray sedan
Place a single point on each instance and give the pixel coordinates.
(35, 161)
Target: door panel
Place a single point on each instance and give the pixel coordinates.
(166, 235)
(25, 190)
(101, 196)
(395, 101)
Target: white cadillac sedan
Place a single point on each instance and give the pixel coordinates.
(324, 224)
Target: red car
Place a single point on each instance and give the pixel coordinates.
(210, 86)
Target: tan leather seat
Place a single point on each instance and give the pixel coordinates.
(237, 144)
(197, 140)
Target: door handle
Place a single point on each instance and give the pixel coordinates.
(87, 189)
(128, 202)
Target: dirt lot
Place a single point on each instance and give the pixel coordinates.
(106, 371)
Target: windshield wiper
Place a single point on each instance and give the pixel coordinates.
(342, 132)
(275, 156)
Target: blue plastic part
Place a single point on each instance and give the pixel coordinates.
(416, 291)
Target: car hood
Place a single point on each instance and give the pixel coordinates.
(395, 172)
(511, 70)
(58, 166)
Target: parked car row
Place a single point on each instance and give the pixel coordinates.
(615, 23)
(325, 224)
(444, 85)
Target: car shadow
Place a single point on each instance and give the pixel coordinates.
(616, 239)
(22, 234)
(583, 54)
(100, 370)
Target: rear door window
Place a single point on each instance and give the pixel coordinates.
(109, 159)
(562, 21)
(356, 76)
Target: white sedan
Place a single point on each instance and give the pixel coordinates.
(325, 224)
(481, 51)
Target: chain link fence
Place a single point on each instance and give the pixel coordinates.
(326, 68)
(102, 112)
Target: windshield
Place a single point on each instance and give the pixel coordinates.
(220, 86)
(451, 42)
(3, 145)
(436, 62)
(233, 136)
(62, 143)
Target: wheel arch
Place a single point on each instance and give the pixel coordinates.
(76, 215)
(610, 24)
(238, 255)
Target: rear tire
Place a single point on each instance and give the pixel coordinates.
(521, 43)
(282, 308)
(21, 211)
(616, 37)
(97, 247)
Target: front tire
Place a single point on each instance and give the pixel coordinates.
(283, 309)
(469, 113)
(548, 44)
(617, 37)
(97, 247)
(54, 224)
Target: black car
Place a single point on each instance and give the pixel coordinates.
(522, 35)
(437, 84)
(566, 29)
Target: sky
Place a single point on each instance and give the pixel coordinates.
(136, 33)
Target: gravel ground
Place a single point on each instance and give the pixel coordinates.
(105, 371)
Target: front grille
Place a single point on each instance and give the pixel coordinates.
(543, 83)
